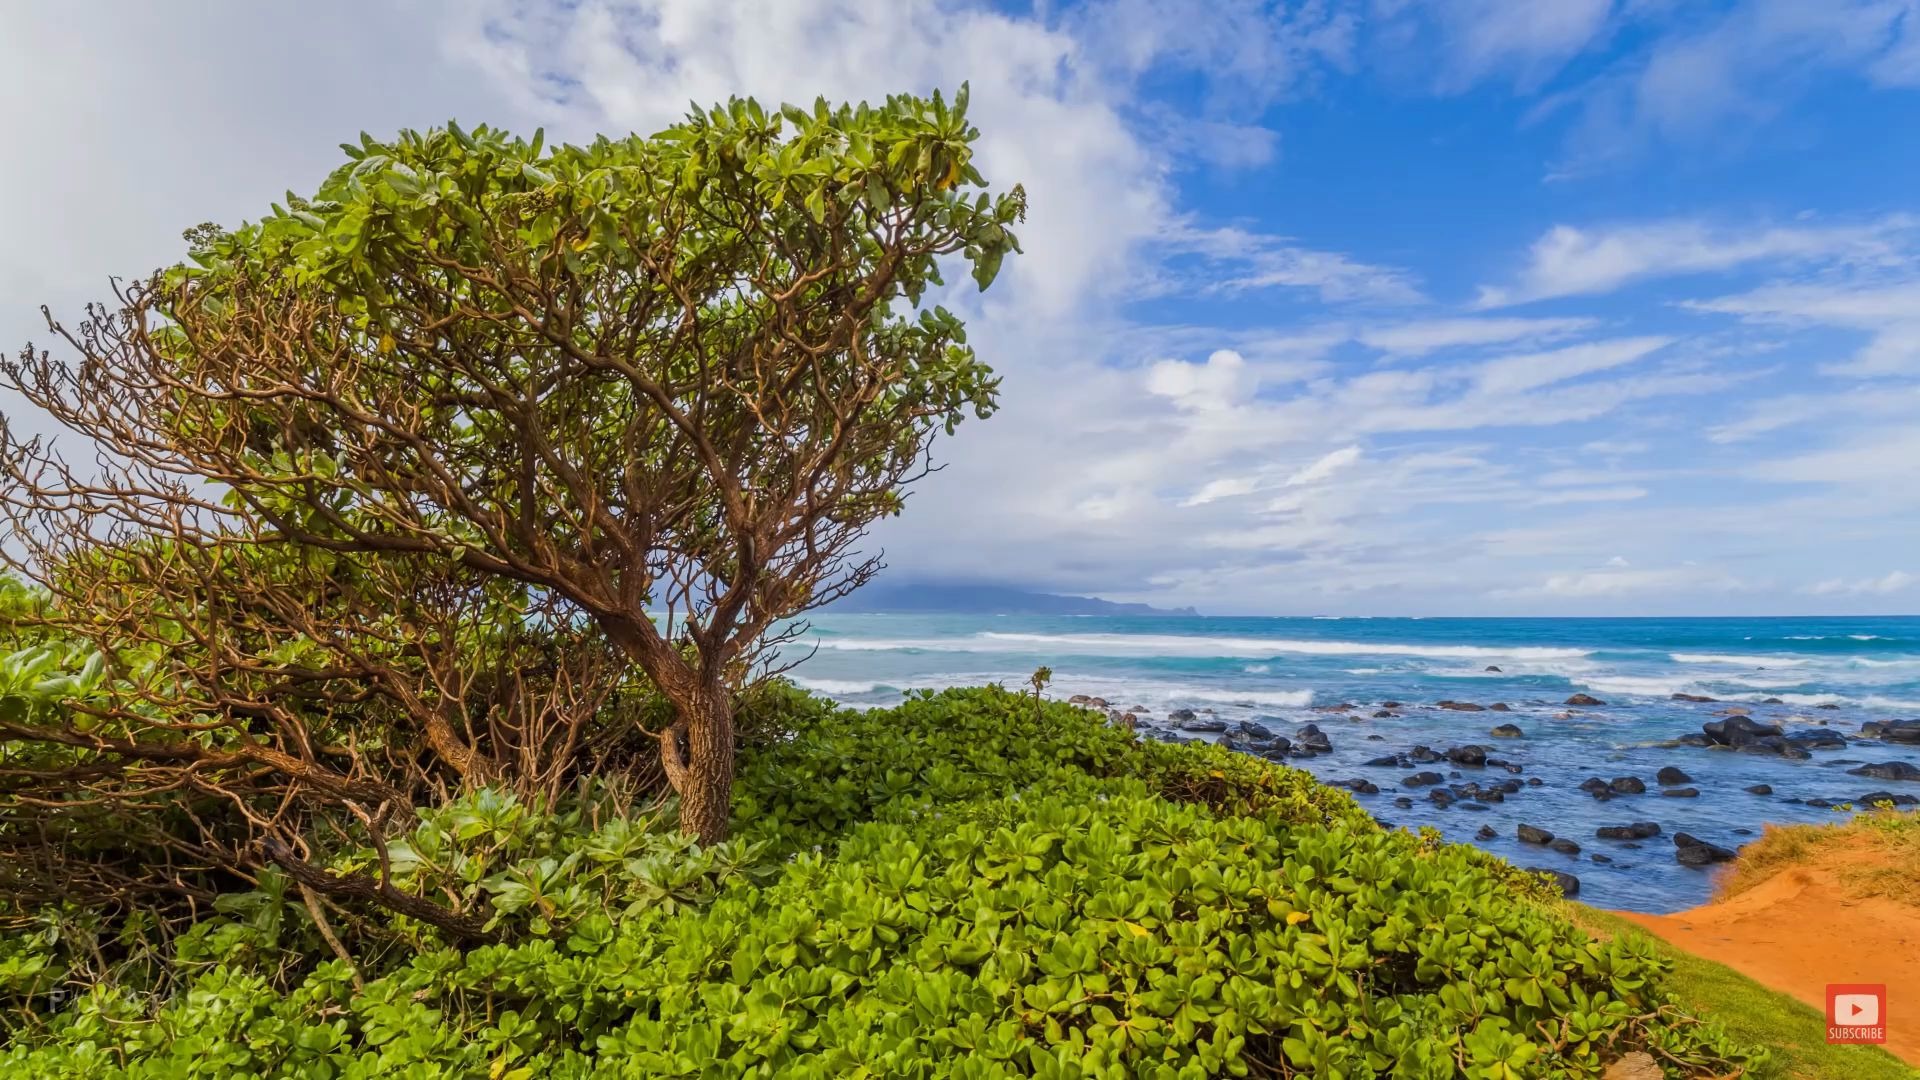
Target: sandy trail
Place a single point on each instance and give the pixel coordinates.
(1798, 931)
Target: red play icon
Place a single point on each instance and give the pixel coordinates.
(1856, 1012)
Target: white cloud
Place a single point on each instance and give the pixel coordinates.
(1210, 387)
(1619, 493)
(1515, 373)
(1224, 488)
(1239, 261)
(1889, 313)
(1570, 261)
(1623, 580)
(1529, 38)
(1897, 581)
(1420, 338)
(1325, 467)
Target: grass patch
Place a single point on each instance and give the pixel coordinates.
(1751, 1013)
(1874, 854)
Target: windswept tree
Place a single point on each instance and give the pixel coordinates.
(648, 393)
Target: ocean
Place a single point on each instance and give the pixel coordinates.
(1276, 671)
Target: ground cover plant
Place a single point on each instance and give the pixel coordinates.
(967, 885)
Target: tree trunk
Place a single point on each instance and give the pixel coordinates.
(705, 772)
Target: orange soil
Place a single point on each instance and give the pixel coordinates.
(1798, 931)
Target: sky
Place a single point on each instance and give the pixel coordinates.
(1456, 307)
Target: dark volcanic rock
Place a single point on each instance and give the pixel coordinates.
(1599, 858)
(1442, 798)
(1461, 706)
(1759, 789)
(1771, 701)
(1207, 725)
(1421, 779)
(1888, 770)
(1381, 714)
(1486, 833)
(1692, 851)
(1180, 716)
(1359, 785)
(1529, 834)
(1639, 830)
(1594, 783)
(1403, 803)
(1681, 792)
(1508, 731)
(1468, 755)
(1569, 885)
(1534, 781)
(1384, 761)
(1874, 798)
(1492, 667)
(1828, 705)
(1255, 729)
(1312, 740)
(1584, 699)
(1565, 846)
(1499, 706)
(1817, 739)
(1628, 785)
(1671, 776)
(1893, 731)
(1421, 755)
(1692, 697)
(1694, 738)
(1735, 730)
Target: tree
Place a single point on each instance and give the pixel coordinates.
(652, 390)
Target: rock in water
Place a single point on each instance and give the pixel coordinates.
(1422, 779)
(1508, 731)
(1486, 833)
(1888, 770)
(1468, 755)
(1691, 697)
(1693, 851)
(1203, 726)
(1584, 699)
(1671, 777)
(1628, 785)
(1759, 789)
(1681, 792)
(1565, 846)
(1529, 834)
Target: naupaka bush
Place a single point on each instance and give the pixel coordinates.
(971, 885)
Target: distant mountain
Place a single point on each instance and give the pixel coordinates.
(928, 599)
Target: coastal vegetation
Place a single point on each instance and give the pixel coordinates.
(398, 697)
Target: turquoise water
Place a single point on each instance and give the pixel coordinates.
(1276, 671)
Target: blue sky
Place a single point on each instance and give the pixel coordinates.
(1455, 307)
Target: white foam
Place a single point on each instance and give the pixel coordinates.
(1281, 699)
(1255, 669)
(835, 687)
(1741, 661)
(1178, 645)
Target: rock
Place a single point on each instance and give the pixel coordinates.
(1817, 739)
(1098, 703)
(1180, 716)
(1345, 706)
(1442, 798)
(1486, 833)
(1508, 731)
(1820, 803)
(1759, 789)
(1565, 846)
(1403, 803)
(1312, 740)
(1681, 792)
(1772, 745)
(1692, 851)
(1528, 834)
(1255, 730)
(1888, 770)
(1384, 761)
(1693, 738)
(1421, 755)
(1461, 706)
(1874, 798)
(1893, 731)
(1569, 885)
(1639, 830)
(1470, 754)
(1671, 776)
(1141, 709)
(1692, 697)
(1584, 699)
(1361, 785)
(1376, 738)
(1421, 779)
(1499, 706)
(1827, 705)
(1599, 858)
(1639, 1065)
(1491, 667)
(1628, 785)
(1771, 701)
(1534, 781)
(1204, 726)
(1277, 750)
(1594, 783)
(1735, 730)
(1382, 714)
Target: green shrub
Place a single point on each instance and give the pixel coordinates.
(967, 886)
